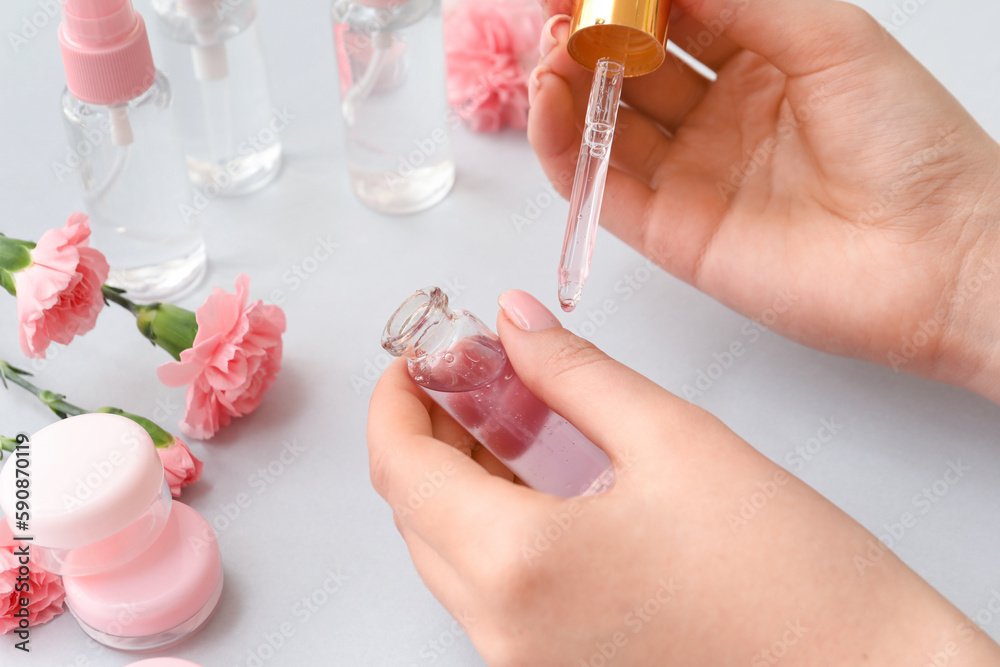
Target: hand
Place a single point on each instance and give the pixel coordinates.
(703, 553)
(824, 166)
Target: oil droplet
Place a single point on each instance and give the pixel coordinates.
(449, 357)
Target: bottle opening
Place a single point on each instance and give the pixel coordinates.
(413, 319)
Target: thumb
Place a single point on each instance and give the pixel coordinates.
(621, 411)
(798, 37)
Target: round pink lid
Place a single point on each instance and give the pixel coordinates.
(91, 476)
(163, 662)
(159, 589)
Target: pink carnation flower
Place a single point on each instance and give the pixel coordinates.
(234, 358)
(180, 466)
(59, 295)
(46, 589)
(491, 46)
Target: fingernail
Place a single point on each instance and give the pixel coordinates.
(548, 40)
(526, 312)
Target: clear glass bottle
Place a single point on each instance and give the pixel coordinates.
(390, 57)
(229, 128)
(116, 108)
(462, 365)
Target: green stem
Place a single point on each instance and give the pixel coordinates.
(54, 401)
(62, 408)
(118, 296)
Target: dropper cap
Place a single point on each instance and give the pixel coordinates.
(633, 32)
(105, 51)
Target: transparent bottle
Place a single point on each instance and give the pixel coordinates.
(229, 128)
(390, 57)
(462, 365)
(116, 108)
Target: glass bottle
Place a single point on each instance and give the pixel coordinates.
(229, 128)
(390, 57)
(116, 108)
(462, 365)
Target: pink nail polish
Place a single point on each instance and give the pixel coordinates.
(526, 312)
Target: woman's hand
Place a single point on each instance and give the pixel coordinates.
(824, 163)
(703, 553)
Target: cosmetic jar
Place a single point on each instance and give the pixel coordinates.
(98, 496)
(158, 598)
(141, 572)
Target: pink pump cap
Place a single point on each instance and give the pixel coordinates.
(105, 51)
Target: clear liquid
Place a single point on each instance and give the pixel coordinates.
(544, 450)
(135, 194)
(229, 129)
(392, 83)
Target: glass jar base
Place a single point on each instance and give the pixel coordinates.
(239, 176)
(161, 282)
(159, 641)
(391, 192)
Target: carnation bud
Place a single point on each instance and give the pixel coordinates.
(168, 326)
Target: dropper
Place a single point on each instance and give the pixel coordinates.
(616, 39)
(588, 183)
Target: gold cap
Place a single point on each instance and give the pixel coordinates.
(633, 30)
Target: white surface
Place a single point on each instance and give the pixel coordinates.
(313, 520)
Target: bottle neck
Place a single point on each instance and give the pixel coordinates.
(420, 326)
(446, 350)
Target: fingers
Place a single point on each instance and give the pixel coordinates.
(625, 414)
(667, 94)
(798, 37)
(706, 43)
(433, 488)
(446, 429)
(637, 151)
(440, 577)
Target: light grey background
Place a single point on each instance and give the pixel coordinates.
(318, 515)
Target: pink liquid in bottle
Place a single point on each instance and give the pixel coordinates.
(461, 364)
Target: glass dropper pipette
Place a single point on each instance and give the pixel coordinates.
(588, 183)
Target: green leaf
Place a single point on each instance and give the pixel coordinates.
(8, 371)
(7, 445)
(15, 255)
(161, 438)
(58, 404)
(7, 282)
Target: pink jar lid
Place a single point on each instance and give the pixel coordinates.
(158, 590)
(91, 476)
(163, 662)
